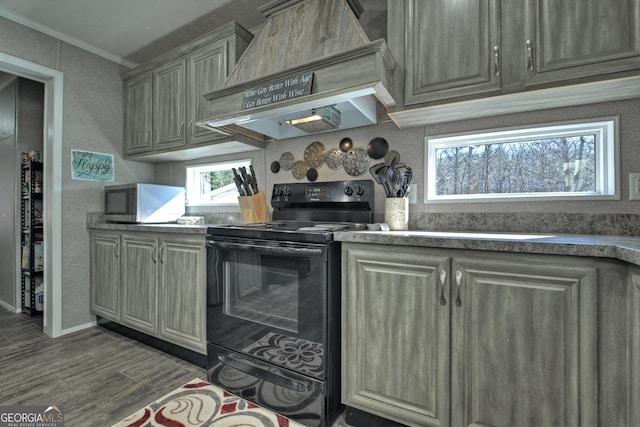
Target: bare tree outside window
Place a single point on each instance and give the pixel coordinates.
(563, 160)
(542, 166)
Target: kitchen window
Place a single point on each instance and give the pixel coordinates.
(569, 161)
(212, 184)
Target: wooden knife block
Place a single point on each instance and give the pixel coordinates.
(254, 208)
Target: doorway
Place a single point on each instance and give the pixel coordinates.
(52, 203)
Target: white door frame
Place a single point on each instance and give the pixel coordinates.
(52, 209)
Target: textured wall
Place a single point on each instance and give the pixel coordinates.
(601, 216)
(92, 120)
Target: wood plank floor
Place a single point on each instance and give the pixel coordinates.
(96, 375)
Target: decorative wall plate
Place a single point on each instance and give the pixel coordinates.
(334, 158)
(312, 174)
(377, 148)
(275, 166)
(299, 169)
(346, 144)
(390, 155)
(356, 161)
(315, 154)
(286, 161)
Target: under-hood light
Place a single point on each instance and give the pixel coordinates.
(320, 120)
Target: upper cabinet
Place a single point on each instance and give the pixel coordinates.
(574, 39)
(449, 48)
(163, 99)
(529, 50)
(137, 107)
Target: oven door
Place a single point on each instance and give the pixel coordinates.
(267, 299)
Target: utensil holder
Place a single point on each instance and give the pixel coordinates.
(396, 213)
(254, 208)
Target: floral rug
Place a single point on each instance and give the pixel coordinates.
(199, 403)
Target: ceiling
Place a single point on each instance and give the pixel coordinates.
(130, 32)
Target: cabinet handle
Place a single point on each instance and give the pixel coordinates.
(443, 279)
(190, 128)
(182, 129)
(116, 249)
(160, 254)
(529, 56)
(154, 253)
(496, 61)
(458, 283)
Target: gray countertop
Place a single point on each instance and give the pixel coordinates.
(617, 247)
(157, 228)
(622, 248)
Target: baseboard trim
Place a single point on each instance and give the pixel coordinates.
(172, 349)
(10, 307)
(78, 328)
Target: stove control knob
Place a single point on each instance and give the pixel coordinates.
(359, 190)
(277, 192)
(287, 192)
(348, 190)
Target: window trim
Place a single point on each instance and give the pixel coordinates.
(195, 169)
(607, 159)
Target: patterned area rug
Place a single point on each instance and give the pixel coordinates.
(199, 403)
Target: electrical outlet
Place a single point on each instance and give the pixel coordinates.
(634, 186)
(413, 194)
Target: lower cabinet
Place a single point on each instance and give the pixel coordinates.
(436, 337)
(151, 282)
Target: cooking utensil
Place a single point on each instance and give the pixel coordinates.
(409, 176)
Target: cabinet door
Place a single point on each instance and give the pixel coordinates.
(395, 333)
(524, 349)
(182, 290)
(452, 48)
(634, 348)
(137, 125)
(572, 39)
(207, 68)
(139, 282)
(105, 275)
(169, 105)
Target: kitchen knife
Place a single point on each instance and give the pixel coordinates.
(239, 186)
(245, 181)
(239, 183)
(254, 180)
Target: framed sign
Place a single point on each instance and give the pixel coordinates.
(279, 90)
(91, 166)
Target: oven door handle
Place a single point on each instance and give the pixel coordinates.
(271, 250)
(262, 374)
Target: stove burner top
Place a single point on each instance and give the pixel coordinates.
(310, 212)
(301, 231)
(302, 226)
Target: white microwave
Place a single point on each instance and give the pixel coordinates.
(143, 203)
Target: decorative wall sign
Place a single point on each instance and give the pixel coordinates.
(278, 90)
(91, 166)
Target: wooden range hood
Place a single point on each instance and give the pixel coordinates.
(318, 38)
